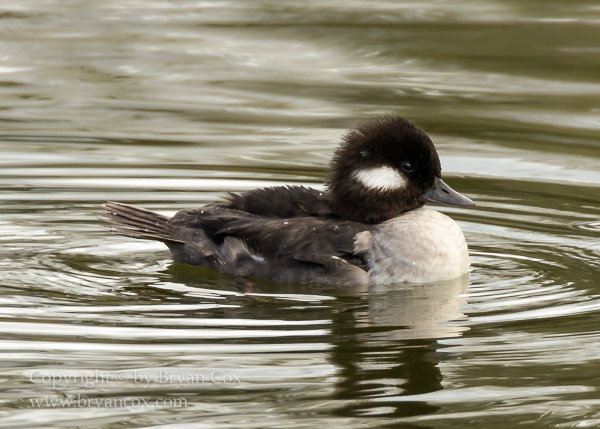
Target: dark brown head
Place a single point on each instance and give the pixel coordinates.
(385, 167)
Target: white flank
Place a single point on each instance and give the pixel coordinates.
(383, 178)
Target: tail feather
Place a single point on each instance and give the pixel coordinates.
(137, 222)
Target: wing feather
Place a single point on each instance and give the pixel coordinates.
(306, 239)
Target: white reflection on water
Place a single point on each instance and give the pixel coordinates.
(423, 310)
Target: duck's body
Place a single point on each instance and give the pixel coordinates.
(369, 227)
(420, 245)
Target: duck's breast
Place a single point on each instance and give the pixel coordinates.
(419, 246)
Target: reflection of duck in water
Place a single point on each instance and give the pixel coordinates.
(388, 352)
(422, 309)
(369, 227)
(385, 348)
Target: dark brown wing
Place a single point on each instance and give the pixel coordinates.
(322, 241)
(310, 239)
(300, 249)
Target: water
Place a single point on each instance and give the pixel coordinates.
(167, 105)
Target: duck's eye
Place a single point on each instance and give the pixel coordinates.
(406, 166)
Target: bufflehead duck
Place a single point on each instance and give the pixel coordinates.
(368, 227)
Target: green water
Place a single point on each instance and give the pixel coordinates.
(168, 105)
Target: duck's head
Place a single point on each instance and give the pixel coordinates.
(385, 167)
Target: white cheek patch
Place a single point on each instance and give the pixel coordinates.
(382, 178)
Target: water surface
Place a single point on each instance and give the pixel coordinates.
(168, 105)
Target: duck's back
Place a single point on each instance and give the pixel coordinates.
(279, 202)
(421, 245)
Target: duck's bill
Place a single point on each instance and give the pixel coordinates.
(444, 194)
